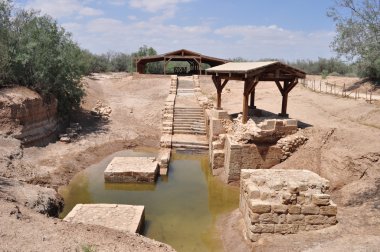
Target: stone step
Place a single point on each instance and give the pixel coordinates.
(189, 108)
(205, 144)
(189, 127)
(190, 132)
(184, 146)
(200, 124)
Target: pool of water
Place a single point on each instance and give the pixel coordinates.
(181, 209)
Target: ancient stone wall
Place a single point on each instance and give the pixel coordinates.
(167, 127)
(284, 202)
(251, 146)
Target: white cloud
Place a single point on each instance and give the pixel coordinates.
(275, 42)
(156, 5)
(63, 8)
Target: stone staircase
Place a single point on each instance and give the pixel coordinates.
(189, 129)
(189, 121)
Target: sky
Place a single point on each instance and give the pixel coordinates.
(252, 29)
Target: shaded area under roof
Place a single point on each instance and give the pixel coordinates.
(193, 58)
(285, 77)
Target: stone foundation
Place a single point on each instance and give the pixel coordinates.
(132, 170)
(125, 218)
(284, 202)
(234, 146)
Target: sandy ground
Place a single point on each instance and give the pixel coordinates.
(135, 121)
(343, 147)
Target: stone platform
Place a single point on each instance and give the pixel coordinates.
(132, 170)
(120, 217)
(284, 202)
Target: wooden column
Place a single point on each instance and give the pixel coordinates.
(252, 102)
(245, 109)
(288, 86)
(249, 86)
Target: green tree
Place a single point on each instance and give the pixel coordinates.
(358, 34)
(5, 15)
(153, 68)
(43, 57)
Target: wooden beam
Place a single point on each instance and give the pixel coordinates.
(224, 83)
(280, 87)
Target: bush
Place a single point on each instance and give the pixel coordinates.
(43, 57)
(324, 74)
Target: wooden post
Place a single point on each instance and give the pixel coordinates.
(284, 99)
(284, 105)
(245, 109)
(320, 86)
(370, 96)
(366, 94)
(219, 99)
(252, 102)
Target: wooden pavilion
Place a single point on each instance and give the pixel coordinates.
(193, 58)
(285, 77)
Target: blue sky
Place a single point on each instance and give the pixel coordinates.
(252, 29)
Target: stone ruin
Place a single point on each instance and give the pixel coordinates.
(284, 202)
(235, 146)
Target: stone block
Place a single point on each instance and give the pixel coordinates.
(329, 210)
(281, 219)
(321, 199)
(258, 206)
(295, 218)
(124, 218)
(132, 170)
(316, 219)
(286, 228)
(254, 217)
(294, 209)
(219, 114)
(262, 228)
(268, 218)
(280, 208)
(310, 209)
(253, 191)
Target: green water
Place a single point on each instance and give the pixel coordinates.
(180, 210)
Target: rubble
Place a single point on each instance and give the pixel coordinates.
(101, 110)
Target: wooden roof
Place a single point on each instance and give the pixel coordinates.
(265, 70)
(182, 55)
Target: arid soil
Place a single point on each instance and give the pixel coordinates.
(343, 147)
(27, 174)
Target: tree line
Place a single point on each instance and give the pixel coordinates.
(38, 53)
